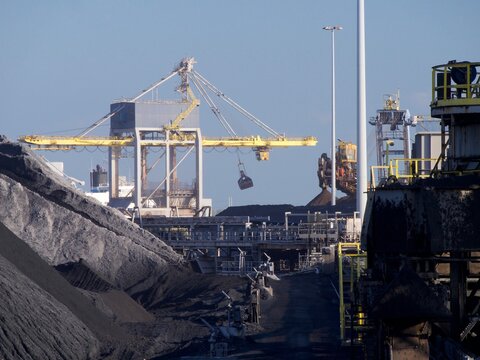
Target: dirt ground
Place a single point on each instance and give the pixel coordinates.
(301, 321)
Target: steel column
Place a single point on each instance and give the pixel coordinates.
(138, 169)
(199, 168)
(361, 114)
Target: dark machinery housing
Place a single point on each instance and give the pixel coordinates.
(421, 288)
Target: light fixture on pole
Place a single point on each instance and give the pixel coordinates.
(333, 172)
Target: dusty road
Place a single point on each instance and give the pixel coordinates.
(300, 322)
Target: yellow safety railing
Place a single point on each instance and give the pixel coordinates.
(351, 261)
(456, 84)
(413, 168)
(402, 169)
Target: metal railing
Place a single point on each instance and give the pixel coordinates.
(324, 228)
(377, 175)
(465, 88)
(404, 170)
(413, 168)
(236, 267)
(351, 263)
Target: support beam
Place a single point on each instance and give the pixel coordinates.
(458, 292)
(173, 165)
(167, 169)
(113, 156)
(144, 166)
(138, 169)
(199, 169)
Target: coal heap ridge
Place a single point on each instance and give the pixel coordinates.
(63, 225)
(80, 281)
(276, 213)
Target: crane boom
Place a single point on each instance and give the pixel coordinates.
(46, 142)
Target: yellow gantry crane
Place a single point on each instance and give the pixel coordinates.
(261, 145)
(142, 124)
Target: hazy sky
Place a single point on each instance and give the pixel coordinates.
(63, 62)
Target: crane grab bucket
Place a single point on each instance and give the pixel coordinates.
(244, 182)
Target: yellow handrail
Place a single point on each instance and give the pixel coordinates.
(416, 168)
(355, 263)
(447, 93)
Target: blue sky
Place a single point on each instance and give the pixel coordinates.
(63, 62)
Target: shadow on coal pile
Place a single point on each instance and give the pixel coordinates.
(173, 304)
(112, 301)
(81, 276)
(43, 316)
(182, 288)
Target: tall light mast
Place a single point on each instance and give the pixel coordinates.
(361, 113)
(334, 178)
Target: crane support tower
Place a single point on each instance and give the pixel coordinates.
(392, 131)
(168, 125)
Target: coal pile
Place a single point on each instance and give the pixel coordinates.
(42, 315)
(321, 199)
(79, 281)
(276, 213)
(63, 225)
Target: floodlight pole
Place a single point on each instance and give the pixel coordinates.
(333, 172)
(361, 113)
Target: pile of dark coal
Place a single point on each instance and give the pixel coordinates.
(79, 281)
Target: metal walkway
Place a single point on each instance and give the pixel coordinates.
(300, 231)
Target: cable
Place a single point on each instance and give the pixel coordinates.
(213, 107)
(236, 106)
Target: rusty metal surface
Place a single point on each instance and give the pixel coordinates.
(431, 216)
(409, 298)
